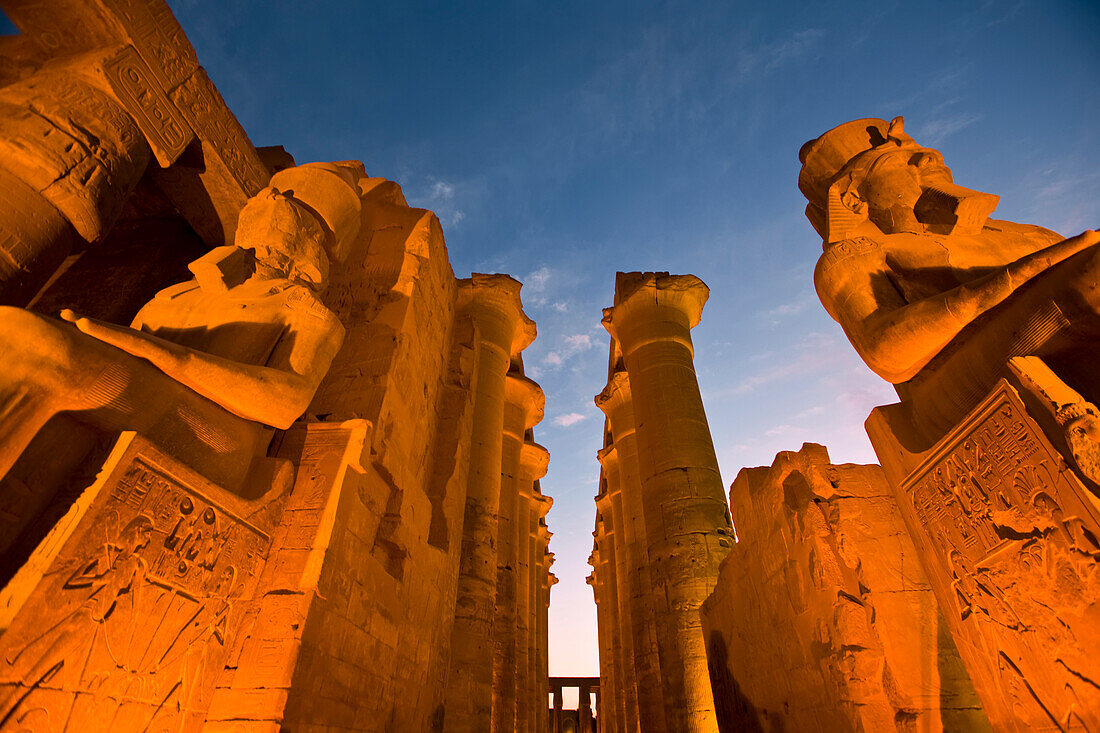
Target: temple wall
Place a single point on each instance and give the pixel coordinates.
(339, 612)
(822, 618)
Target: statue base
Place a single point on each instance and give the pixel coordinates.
(164, 602)
(1009, 536)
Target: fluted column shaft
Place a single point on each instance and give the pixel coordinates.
(533, 463)
(625, 672)
(523, 409)
(608, 575)
(492, 301)
(546, 580)
(616, 403)
(539, 569)
(601, 631)
(686, 517)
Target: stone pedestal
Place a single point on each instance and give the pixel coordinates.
(686, 518)
(174, 604)
(1007, 533)
(492, 302)
(617, 404)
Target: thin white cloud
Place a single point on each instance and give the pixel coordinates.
(579, 342)
(536, 281)
(568, 419)
(574, 345)
(935, 131)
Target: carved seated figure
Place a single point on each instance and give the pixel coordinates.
(208, 363)
(933, 294)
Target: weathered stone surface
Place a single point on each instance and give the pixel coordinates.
(822, 618)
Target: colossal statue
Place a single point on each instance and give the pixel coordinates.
(207, 363)
(990, 332)
(933, 294)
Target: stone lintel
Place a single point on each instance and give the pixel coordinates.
(493, 301)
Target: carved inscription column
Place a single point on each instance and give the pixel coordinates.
(71, 156)
(683, 500)
(626, 696)
(616, 403)
(523, 409)
(533, 461)
(492, 301)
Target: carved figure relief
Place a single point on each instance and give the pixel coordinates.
(1011, 535)
(135, 616)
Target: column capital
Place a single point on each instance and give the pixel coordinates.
(493, 302)
(615, 394)
(526, 394)
(543, 503)
(534, 460)
(608, 456)
(647, 301)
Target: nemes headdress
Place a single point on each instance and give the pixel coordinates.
(824, 160)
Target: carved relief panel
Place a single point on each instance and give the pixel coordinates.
(131, 625)
(1010, 539)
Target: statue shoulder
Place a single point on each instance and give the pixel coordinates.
(305, 304)
(846, 259)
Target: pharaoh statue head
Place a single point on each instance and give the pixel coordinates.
(307, 217)
(871, 172)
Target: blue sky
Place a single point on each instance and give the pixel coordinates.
(562, 141)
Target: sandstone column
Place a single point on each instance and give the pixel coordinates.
(603, 593)
(616, 403)
(584, 709)
(539, 670)
(608, 589)
(622, 620)
(523, 408)
(682, 496)
(492, 301)
(546, 581)
(533, 463)
(71, 156)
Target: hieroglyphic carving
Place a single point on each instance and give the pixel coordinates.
(1010, 541)
(158, 38)
(135, 616)
(200, 103)
(133, 83)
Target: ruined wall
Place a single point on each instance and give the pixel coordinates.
(822, 619)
